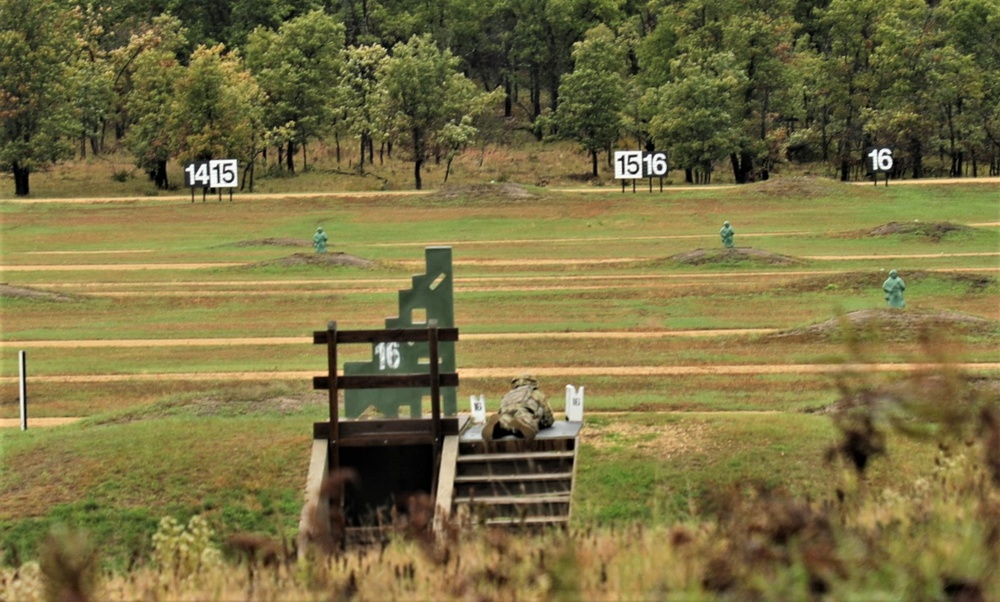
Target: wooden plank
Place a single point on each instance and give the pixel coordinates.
(516, 456)
(386, 381)
(331, 384)
(519, 500)
(555, 476)
(527, 520)
(446, 481)
(572, 482)
(398, 439)
(390, 335)
(315, 507)
(362, 428)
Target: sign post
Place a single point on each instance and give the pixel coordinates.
(633, 165)
(878, 160)
(22, 368)
(217, 173)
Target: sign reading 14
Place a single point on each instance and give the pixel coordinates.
(217, 173)
(637, 164)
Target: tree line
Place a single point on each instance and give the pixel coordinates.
(745, 84)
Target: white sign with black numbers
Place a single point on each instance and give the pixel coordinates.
(878, 160)
(217, 173)
(632, 165)
(628, 165)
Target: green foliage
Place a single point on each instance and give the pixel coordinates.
(420, 91)
(696, 114)
(36, 109)
(298, 68)
(151, 60)
(593, 94)
(214, 107)
(182, 551)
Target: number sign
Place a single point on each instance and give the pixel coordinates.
(388, 356)
(878, 160)
(217, 173)
(631, 165)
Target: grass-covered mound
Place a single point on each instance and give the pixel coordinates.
(329, 259)
(743, 256)
(8, 291)
(890, 325)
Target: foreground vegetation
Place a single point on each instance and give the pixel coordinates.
(930, 535)
(753, 479)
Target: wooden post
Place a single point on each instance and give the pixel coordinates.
(435, 366)
(435, 370)
(331, 358)
(22, 364)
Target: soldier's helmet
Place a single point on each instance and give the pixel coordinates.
(523, 380)
(320, 229)
(893, 273)
(725, 224)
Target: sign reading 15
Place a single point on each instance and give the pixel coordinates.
(638, 164)
(878, 159)
(217, 173)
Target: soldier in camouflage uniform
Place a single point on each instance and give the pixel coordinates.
(523, 411)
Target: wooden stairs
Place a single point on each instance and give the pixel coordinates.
(511, 482)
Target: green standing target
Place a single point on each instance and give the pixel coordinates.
(431, 298)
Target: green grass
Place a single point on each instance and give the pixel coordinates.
(655, 449)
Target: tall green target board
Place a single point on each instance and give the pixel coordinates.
(431, 298)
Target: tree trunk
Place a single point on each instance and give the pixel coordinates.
(418, 155)
(593, 161)
(160, 175)
(508, 102)
(21, 184)
(290, 157)
(917, 153)
(361, 161)
(447, 169)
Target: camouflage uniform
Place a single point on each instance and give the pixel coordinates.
(523, 411)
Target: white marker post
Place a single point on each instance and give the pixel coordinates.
(22, 366)
(574, 403)
(478, 408)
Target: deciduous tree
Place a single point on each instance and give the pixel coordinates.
(36, 109)
(420, 91)
(593, 94)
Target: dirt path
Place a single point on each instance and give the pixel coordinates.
(505, 372)
(243, 196)
(497, 336)
(126, 267)
(37, 422)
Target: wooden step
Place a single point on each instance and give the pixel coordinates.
(499, 500)
(509, 521)
(466, 458)
(514, 478)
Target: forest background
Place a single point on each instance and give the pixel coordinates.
(745, 86)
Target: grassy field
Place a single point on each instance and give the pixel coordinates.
(180, 333)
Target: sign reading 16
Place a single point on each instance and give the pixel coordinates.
(388, 356)
(878, 159)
